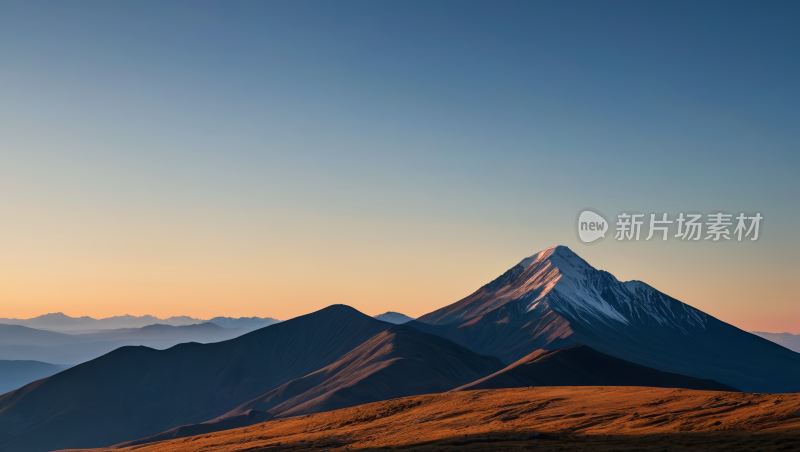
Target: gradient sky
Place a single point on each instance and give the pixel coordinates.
(272, 158)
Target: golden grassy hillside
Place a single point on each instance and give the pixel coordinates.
(541, 419)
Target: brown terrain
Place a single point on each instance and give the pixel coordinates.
(621, 418)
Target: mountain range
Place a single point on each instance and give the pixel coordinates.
(63, 323)
(333, 358)
(18, 342)
(135, 392)
(550, 320)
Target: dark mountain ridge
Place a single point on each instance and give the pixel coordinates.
(398, 362)
(135, 392)
(582, 366)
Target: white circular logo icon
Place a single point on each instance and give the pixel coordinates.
(591, 226)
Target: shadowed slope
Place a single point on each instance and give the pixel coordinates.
(788, 340)
(396, 363)
(134, 392)
(542, 419)
(583, 366)
(554, 299)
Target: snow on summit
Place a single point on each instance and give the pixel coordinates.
(569, 285)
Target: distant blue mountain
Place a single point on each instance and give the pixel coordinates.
(249, 323)
(394, 317)
(16, 374)
(19, 342)
(63, 323)
(80, 325)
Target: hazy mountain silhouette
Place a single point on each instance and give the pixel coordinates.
(16, 374)
(249, 323)
(61, 322)
(554, 299)
(398, 362)
(135, 392)
(582, 366)
(23, 335)
(394, 317)
(22, 343)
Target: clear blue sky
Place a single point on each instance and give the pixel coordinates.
(205, 158)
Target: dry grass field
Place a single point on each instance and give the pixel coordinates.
(537, 419)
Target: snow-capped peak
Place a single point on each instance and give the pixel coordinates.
(571, 286)
(557, 279)
(565, 277)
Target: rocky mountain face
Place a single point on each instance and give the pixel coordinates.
(555, 299)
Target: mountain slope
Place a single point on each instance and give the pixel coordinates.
(16, 374)
(788, 340)
(582, 366)
(398, 362)
(394, 317)
(554, 299)
(134, 392)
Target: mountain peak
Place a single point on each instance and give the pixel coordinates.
(556, 278)
(393, 317)
(568, 284)
(335, 313)
(55, 315)
(561, 256)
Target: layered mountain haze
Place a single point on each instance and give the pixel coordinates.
(61, 322)
(23, 335)
(136, 392)
(18, 342)
(249, 323)
(16, 374)
(554, 299)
